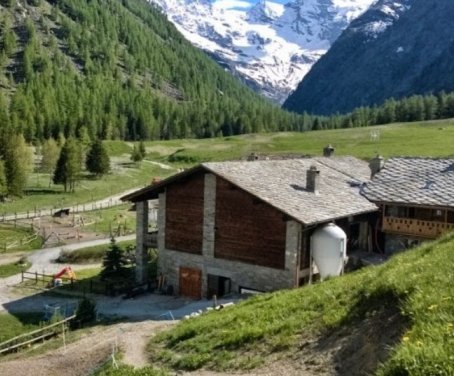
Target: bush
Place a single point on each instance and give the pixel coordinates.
(86, 311)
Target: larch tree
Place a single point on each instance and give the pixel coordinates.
(50, 153)
(68, 168)
(3, 184)
(18, 161)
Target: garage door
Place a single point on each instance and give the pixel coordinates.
(191, 282)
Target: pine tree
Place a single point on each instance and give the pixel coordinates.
(114, 264)
(97, 161)
(67, 170)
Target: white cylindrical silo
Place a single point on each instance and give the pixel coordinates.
(329, 250)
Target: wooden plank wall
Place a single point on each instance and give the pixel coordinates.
(184, 215)
(247, 229)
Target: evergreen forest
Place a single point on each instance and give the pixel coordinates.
(117, 69)
(120, 70)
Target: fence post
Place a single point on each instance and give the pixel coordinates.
(22, 275)
(36, 277)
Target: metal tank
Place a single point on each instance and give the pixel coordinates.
(329, 250)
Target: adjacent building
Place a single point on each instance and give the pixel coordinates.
(246, 225)
(415, 197)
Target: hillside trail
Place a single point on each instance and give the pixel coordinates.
(93, 349)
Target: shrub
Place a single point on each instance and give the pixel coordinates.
(86, 311)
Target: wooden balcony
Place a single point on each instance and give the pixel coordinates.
(415, 227)
(151, 239)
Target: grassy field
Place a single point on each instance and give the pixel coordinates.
(116, 221)
(7, 270)
(125, 176)
(414, 139)
(400, 313)
(432, 138)
(16, 236)
(88, 255)
(11, 326)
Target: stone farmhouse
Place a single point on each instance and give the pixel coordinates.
(415, 197)
(246, 225)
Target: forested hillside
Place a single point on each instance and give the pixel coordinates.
(119, 69)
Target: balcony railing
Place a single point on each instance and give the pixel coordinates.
(415, 227)
(151, 239)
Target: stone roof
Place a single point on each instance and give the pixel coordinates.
(417, 181)
(282, 184)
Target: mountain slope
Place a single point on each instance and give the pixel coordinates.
(395, 49)
(268, 45)
(392, 319)
(119, 69)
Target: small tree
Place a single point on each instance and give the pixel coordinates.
(136, 156)
(3, 184)
(86, 311)
(68, 165)
(98, 161)
(18, 164)
(114, 264)
(50, 153)
(142, 149)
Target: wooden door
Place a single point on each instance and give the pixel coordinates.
(191, 282)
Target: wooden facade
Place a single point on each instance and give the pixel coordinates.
(416, 221)
(184, 215)
(248, 229)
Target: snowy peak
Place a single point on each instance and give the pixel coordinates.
(397, 48)
(264, 12)
(269, 45)
(380, 16)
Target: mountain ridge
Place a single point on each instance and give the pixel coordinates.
(395, 49)
(269, 45)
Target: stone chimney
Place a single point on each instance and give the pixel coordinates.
(252, 157)
(313, 179)
(376, 164)
(328, 150)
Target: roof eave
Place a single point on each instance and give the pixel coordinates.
(151, 191)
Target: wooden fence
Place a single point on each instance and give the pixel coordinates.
(42, 334)
(76, 208)
(84, 286)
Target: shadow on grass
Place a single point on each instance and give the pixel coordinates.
(43, 191)
(366, 337)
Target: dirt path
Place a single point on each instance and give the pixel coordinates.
(89, 352)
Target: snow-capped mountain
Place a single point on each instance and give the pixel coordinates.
(270, 45)
(397, 48)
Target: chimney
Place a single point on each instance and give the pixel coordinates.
(376, 165)
(328, 150)
(252, 157)
(313, 179)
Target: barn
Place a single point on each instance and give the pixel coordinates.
(246, 225)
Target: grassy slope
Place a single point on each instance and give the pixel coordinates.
(10, 234)
(38, 194)
(8, 270)
(12, 326)
(417, 139)
(415, 290)
(414, 139)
